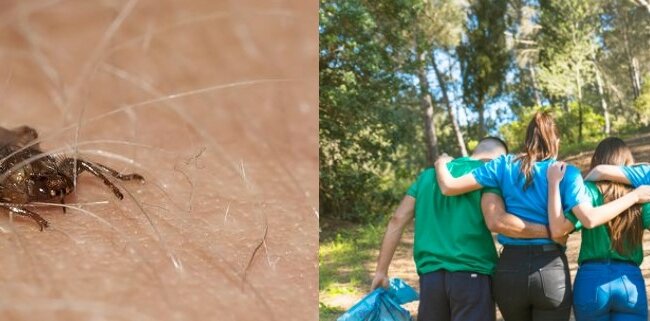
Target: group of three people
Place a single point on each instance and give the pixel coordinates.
(533, 202)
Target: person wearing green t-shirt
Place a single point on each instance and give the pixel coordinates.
(453, 249)
(609, 284)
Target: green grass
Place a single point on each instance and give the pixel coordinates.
(327, 313)
(344, 256)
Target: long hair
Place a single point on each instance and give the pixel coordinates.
(541, 143)
(626, 229)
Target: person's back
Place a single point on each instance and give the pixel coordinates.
(609, 283)
(528, 202)
(532, 279)
(450, 232)
(453, 249)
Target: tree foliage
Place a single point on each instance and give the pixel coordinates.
(367, 121)
(471, 67)
(483, 56)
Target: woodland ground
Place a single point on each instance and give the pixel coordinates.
(347, 261)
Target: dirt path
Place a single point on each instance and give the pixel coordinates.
(403, 266)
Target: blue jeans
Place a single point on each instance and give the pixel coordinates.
(609, 290)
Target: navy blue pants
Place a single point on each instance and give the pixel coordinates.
(456, 296)
(610, 290)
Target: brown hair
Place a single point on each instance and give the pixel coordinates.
(626, 229)
(541, 143)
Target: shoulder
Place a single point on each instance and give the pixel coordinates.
(507, 157)
(591, 185)
(641, 166)
(462, 163)
(427, 171)
(640, 169)
(503, 160)
(645, 209)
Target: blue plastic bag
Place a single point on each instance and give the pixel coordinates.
(383, 304)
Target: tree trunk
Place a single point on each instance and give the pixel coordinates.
(481, 119)
(635, 76)
(603, 100)
(643, 3)
(632, 63)
(579, 91)
(450, 111)
(533, 77)
(427, 108)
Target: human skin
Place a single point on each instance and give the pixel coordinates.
(215, 104)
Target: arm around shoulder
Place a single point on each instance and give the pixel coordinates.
(452, 186)
(607, 173)
(499, 221)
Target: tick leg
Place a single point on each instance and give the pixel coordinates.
(98, 170)
(83, 165)
(42, 223)
(118, 175)
(63, 201)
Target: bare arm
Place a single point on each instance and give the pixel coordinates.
(403, 215)
(558, 223)
(594, 216)
(452, 186)
(607, 173)
(499, 221)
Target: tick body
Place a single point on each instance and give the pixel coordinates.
(32, 176)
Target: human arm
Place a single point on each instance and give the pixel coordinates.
(559, 225)
(403, 215)
(594, 216)
(499, 221)
(451, 186)
(607, 173)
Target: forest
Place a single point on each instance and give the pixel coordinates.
(402, 81)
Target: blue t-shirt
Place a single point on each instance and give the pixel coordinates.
(530, 204)
(637, 174)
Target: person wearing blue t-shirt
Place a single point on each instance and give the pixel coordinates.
(532, 280)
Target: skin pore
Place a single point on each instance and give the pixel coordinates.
(215, 103)
(496, 218)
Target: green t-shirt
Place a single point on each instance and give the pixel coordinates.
(596, 242)
(450, 232)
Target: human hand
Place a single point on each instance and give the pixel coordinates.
(643, 193)
(380, 280)
(443, 160)
(555, 172)
(561, 240)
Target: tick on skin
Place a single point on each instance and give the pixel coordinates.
(33, 176)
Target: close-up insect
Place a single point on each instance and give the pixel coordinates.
(215, 104)
(29, 175)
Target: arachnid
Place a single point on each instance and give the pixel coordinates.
(32, 176)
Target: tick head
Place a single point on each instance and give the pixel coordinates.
(46, 187)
